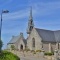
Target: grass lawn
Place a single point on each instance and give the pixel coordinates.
(8, 56)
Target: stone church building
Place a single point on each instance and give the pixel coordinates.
(37, 38)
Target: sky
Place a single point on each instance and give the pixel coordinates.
(46, 15)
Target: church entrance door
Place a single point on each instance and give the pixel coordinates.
(21, 47)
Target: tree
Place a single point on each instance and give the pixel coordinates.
(1, 44)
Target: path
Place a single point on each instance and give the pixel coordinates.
(29, 56)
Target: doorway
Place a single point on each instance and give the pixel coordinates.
(21, 47)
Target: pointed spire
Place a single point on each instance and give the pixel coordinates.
(30, 12)
(30, 23)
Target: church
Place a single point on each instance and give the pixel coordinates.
(37, 38)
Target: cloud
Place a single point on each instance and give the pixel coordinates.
(49, 23)
(46, 8)
(18, 14)
(15, 15)
(39, 9)
(46, 5)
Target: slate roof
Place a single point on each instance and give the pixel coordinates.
(57, 35)
(48, 35)
(16, 38)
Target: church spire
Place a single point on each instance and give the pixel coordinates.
(30, 23)
(31, 13)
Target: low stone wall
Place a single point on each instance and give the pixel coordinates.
(37, 54)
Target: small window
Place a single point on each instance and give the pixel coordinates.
(33, 42)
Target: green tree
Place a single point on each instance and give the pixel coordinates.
(1, 44)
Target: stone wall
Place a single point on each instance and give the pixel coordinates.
(9, 46)
(37, 38)
(47, 47)
(19, 43)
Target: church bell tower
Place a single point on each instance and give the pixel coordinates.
(30, 23)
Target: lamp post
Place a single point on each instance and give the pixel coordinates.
(3, 11)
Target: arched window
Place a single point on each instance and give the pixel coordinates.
(33, 42)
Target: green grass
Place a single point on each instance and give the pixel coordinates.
(8, 56)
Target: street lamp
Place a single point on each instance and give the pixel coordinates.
(3, 11)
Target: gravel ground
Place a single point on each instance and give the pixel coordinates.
(29, 56)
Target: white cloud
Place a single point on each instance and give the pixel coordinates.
(46, 8)
(17, 15)
(39, 9)
(47, 23)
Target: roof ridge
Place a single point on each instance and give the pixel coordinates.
(48, 30)
(44, 29)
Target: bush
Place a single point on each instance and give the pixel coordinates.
(38, 50)
(8, 56)
(12, 47)
(32, 51)
(49, 53)
(27, 50)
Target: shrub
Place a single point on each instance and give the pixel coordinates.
(38, 50)
(12, 47)
(8, 56)
(49, 53)
(27, 50)
(32, 51)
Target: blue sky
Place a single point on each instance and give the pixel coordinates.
(46, 15)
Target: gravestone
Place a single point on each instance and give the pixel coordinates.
(59, 52)
(56, 54)
(42, 52)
